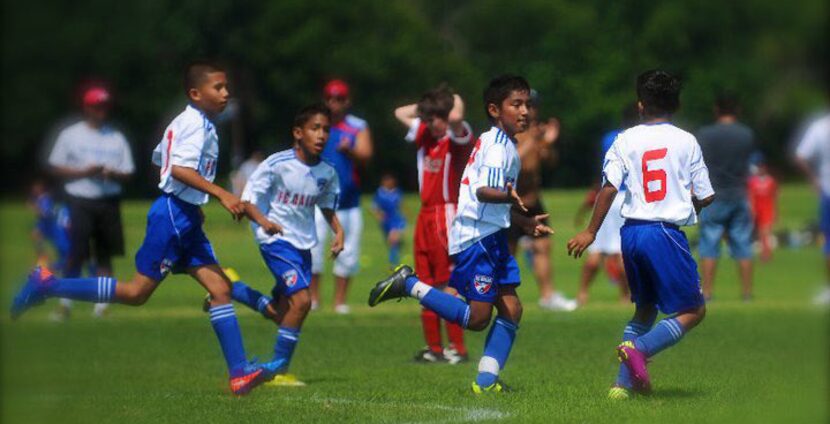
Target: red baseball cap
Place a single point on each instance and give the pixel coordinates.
(336, 88)
(95, 96)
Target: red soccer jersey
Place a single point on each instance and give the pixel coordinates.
(440, 163)
(763, 191)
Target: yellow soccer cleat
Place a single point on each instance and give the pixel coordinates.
(497, 387)
(285, 380)
(618, 393)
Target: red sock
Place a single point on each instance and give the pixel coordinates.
(432, 330)
(455, 334)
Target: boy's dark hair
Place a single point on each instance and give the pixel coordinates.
(436, 102)
(308, 112)
(196, 71)
(727, 104)
(630, 115)
(659, 92)
(500, 88)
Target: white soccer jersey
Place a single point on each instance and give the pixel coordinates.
(662, 166)
(286, 190)
(80, 146)
(494, 162)
(815, 147)
(189, 141)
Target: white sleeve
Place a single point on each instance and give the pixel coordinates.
(331, 193)
(464, 138)
(156, 157)
(186, 148)
(259, 188)
(808, 146)
(613, 166)
(492, 170)
(413, 130)
(60, 152)
(701, 186)
(126, 165)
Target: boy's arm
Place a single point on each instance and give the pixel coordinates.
(699, 204)
(254, 214)
(191, 177)
(334, 223)
(581, 241)
(456, 117)
(494, 195)
(407, 114)
(531, 225)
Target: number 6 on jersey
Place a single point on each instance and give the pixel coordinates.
(652, 175)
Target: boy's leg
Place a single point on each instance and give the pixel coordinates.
(640, 324)
(669, 331)
(542, 267)
(318, 257)
(296, 308)
(394, 241)
(455, 333)
(589, 271)
(244, 294)
(500, 339)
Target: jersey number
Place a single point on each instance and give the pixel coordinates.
(654, 175)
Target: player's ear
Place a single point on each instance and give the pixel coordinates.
(493, 110)
(640, 107)
(194, 94)
(297, 132)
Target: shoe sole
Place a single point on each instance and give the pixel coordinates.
(258, 380)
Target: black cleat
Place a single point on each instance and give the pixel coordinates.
(393, 287)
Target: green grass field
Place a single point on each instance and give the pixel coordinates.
(761, 362)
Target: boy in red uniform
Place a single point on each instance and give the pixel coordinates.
(763, 198)
(437, 127)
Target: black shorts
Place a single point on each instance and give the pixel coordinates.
(95, 230)
(514, 233)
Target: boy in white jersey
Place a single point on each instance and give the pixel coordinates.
(286, 188)
(174, 240)
(667, 185)
(485, 272)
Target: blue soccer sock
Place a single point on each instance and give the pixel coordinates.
(223, 320)
(287, 339)
(249, 297)
(632, 330)
(98, 289)
(496, 350)
(394, 254)
(665, 334)
(445, 305)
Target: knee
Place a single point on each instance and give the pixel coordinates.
(137, 297)
(301, 302)
(479, 321)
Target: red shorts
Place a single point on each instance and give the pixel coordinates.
(432, 259)
(764, 216)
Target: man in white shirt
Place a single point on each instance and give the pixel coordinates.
(93, 159)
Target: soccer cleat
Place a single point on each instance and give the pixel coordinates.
(251, 376)
(342, 309)
(497, 387)
(453, 357)
(427, 356)
(558, 302)
(393, 287)
(32, 292)
(618, 393)
(285, 380)
(636, 362)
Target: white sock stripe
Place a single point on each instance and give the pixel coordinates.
(466, 316)
(677, 327)
(674, 331)
(488, 364)
(419, 290)
(221, 308)
(292, 338)
(221, 317)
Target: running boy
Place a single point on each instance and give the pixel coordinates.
(485, 272)
(437, 127)
(387, 208)
(174, 240)
(286, 188)
(667, 185)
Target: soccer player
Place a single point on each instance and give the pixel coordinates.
(608, 242)
(286, 188)
(763, 198)
(437, 127)
(349, 147)
(535, 147)
(667, 184)
(485, 272)
(174, 240)
(51, 225)
(386, 206)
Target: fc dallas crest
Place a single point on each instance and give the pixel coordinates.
(483, 283)
(290, 278)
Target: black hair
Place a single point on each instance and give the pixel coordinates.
(500, 88)
(630, 115)
(305, 114)
(436, 102)
(196, 71)
(727, 104)
(659, 92)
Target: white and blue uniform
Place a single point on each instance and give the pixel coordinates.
(286, 191)
(662, 168)
(608, 241)
(814, 147)
(174, 240)
(478, 240)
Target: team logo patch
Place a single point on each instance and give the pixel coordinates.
(483, 283)
(321, 183)
(289, 278)
(165, 267)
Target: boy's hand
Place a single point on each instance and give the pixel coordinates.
(270, 227)
(579, 243)
(514, 197)
(233, 205)
(537, 227)
(337, 244)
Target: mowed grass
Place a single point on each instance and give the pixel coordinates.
(760, 362)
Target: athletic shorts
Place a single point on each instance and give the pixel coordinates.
(95, 231)
(732, 218)
(432, 258)
(174, 240)
(659, 265)
(396, 223)
(346, 263)
(608, 241)
(481, 269)
(290, 266)
(515, 232)
(824, 216)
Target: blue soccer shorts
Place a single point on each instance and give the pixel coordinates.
(174, 240)
(290, 266)
(660, 268)
(824, 216)
(481, 269)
